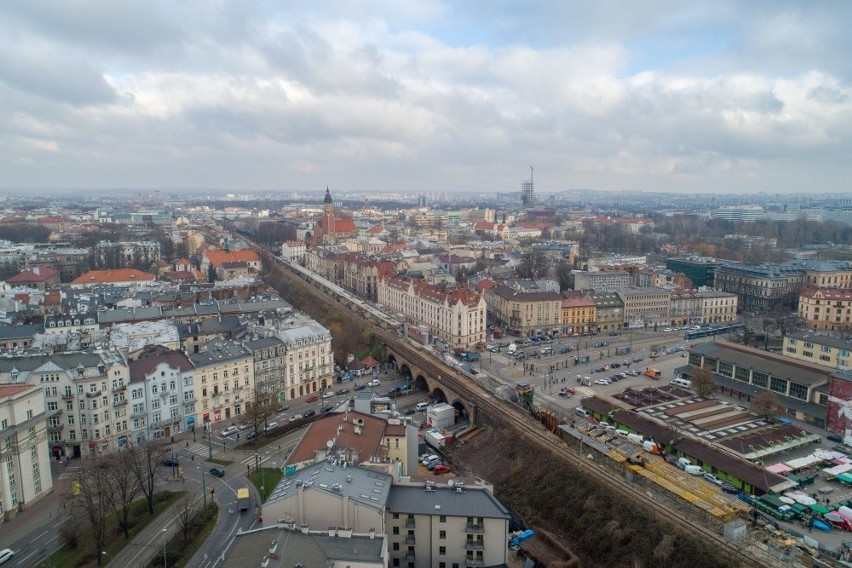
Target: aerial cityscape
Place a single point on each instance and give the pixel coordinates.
(425, 285)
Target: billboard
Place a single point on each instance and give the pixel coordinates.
(839, 414)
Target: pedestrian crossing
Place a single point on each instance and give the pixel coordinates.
(199, 449)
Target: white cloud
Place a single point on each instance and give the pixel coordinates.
(424, 95)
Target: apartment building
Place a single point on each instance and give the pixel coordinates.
(454, 315)
(525, 313)
(609, 311)
(760, 288)
(718, 306)
(85, 397)
(270, 368)
(823, 350)
(646, 306)
(162, 395)
(310, 360)
(24, 450)
(579, 313)
(294, 251)
(686, 307)
(224, 380)
(600, 281)
(431, 525)
(826, 308)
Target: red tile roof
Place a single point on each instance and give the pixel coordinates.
(366, 444)
(217, 257)
(118, 275)
(34, 274)
(11, 390)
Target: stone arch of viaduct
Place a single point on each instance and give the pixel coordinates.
(438, 390)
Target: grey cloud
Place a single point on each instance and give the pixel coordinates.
(58, 79)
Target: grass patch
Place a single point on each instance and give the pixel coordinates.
(184, 544)
(84, 554)
(223, 463)
(267, 478)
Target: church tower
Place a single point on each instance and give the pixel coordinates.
(328, 214)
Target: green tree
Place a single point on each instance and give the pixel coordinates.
(211, 274)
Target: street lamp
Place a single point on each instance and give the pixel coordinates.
(104, 553)
(165, 561)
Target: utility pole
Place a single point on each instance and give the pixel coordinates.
(209, 447)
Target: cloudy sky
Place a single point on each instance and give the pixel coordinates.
(717, 96)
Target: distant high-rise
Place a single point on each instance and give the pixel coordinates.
(528, 191)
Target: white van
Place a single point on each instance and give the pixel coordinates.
(681, 383)
(581, 412)
(421, 406)
(512, 348)
(693, 470)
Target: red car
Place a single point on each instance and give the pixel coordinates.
(440, 468)
(313, 398)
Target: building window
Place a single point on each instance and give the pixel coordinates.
(742, 374)
(442, 519)
(760, 379)
(778, 385)
(442, 535)
(395, 531)
(799, 391)
(442, 551)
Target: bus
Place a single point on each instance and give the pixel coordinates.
(655, 374)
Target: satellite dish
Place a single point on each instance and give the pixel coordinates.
(450, 482)
(329, 444)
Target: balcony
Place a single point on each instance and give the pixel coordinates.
(409, 539)
(121, 402)
(136, 415)
(409, 557)
(67, 396)
(409, 523)
(94, 394)
(57, 428)
(476, 529)
(474, 562)
(474, 545)
(120, 387)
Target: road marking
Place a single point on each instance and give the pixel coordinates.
(41, 535)
(24, 559)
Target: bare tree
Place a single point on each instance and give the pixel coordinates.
(702, 381)
(91, 500)
(766, 405)
(144, 459)
(124, 487)
(533, 264)
(186, 517)
(257, 413)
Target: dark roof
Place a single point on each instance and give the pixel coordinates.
(597, 405)
(20, 331)
(763, 361)
(310, 550)
(658, 432)
(142, 367)
(747, 443)
(469, 502)
(754, 475)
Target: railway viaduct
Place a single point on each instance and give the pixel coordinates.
(431, 377)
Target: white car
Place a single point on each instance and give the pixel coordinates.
(667, 329)
(271, 425)
(431, 459)
(374, 383)
(6, 555)
(295, 417)
(602, 382)
(229, 431)
(713, 479)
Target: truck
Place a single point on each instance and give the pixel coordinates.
(468, 356)
(653, 373)
(243, 498)
(437, 439)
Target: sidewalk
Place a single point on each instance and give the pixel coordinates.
(47, 510)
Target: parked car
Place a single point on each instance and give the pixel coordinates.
(271, 425)
(441, 468)
(423, 456)
(429, 459)
(431, 465)
(6, 555)
(341, 391)
(229, 431)
(327, 409)
(713, 479)
(408, 412)
(407, 387)
(835, 438)
(602, 382)
(251, 435)
(358, 387)
(296, 417)
(171, 462)
(217, 471)
(309, 413)
(283, 408)
(313, 398)
(613, 333)
(728, 488)
(374, 383)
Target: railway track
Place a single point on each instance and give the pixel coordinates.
(513, 417)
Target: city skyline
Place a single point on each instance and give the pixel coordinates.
(722, 97)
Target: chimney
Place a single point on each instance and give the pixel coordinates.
(372, 534)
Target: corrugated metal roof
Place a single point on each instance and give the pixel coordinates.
(469, 502)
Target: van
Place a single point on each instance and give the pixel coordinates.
(581, 412)
(512, 348)
(693, 470)
(635, 438)
(421, 406)
(681, 383)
